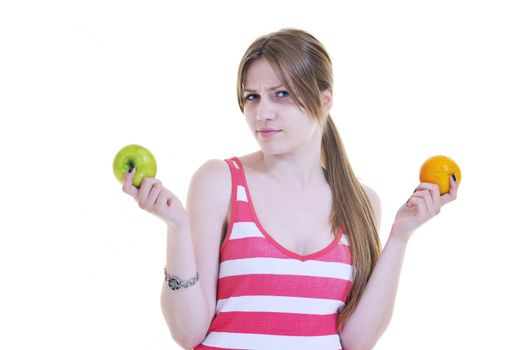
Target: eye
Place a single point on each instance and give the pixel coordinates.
(282, 94)
(250, 97)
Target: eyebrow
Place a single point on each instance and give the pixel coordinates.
(272, 88)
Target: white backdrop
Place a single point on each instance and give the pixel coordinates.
(81, 264)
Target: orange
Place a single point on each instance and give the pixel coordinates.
(437, 170)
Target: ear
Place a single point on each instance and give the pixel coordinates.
(326, 100)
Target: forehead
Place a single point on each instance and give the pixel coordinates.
(260, 75)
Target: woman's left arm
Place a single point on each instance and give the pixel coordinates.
(373, 313)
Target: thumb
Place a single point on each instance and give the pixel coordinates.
(127, 185)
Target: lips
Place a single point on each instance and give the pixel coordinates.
(268, 132)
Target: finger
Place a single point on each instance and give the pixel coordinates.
(426, 198)
(161, 203)
(433, 190)
(153, 195)
(452, 192)
(417, 203)
(144, 190)
(172, 200)
(127, 185)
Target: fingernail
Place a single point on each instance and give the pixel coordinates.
(131, 167)
(454, 177)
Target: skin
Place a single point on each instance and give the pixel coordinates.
(285, 173)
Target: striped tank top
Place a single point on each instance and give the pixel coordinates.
(269, 297)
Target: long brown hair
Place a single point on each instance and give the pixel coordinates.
(304, 67)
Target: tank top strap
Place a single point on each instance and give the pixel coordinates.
(240, 207)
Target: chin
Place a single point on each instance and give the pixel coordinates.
(275, 150)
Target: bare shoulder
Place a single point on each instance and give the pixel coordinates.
(212, 179)
(208, 200)
(371, 193)
(212, 169)
(375, 201)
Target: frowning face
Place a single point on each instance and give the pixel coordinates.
(277, 122)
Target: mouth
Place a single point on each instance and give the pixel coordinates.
(268, 132)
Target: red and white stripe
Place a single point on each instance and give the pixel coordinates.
(270, 297)
(228, 340)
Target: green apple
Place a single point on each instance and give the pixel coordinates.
(134, 156)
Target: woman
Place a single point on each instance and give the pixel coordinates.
(279, 248)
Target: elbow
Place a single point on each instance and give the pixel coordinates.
(360, 340)
(187, 342)
(187, 332)
(186, 337)
(189, 345)
(357, 345)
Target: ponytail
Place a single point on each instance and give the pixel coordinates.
(309, 72)
(352, 209)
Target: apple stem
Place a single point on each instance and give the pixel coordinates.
(131, 167)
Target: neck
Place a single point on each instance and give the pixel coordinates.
(300, 171)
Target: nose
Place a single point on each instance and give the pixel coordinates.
(265, 110)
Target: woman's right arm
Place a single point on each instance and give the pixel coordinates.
(193, 243)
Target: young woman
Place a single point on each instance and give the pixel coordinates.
(279, 248)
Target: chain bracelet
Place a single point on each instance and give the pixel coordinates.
(175, 284)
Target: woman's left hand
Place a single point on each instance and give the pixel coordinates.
(424, 204)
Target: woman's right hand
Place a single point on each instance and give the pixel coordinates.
(157, 200)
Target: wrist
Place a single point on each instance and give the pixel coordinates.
(174, 283)
(179, 237)
(400, 236)
(177, 227)
(180, 256)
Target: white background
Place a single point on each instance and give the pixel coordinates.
(81, 264)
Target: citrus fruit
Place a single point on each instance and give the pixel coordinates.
(437, 170)
(134, 156)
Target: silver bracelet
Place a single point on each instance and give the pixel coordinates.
(175, 284)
